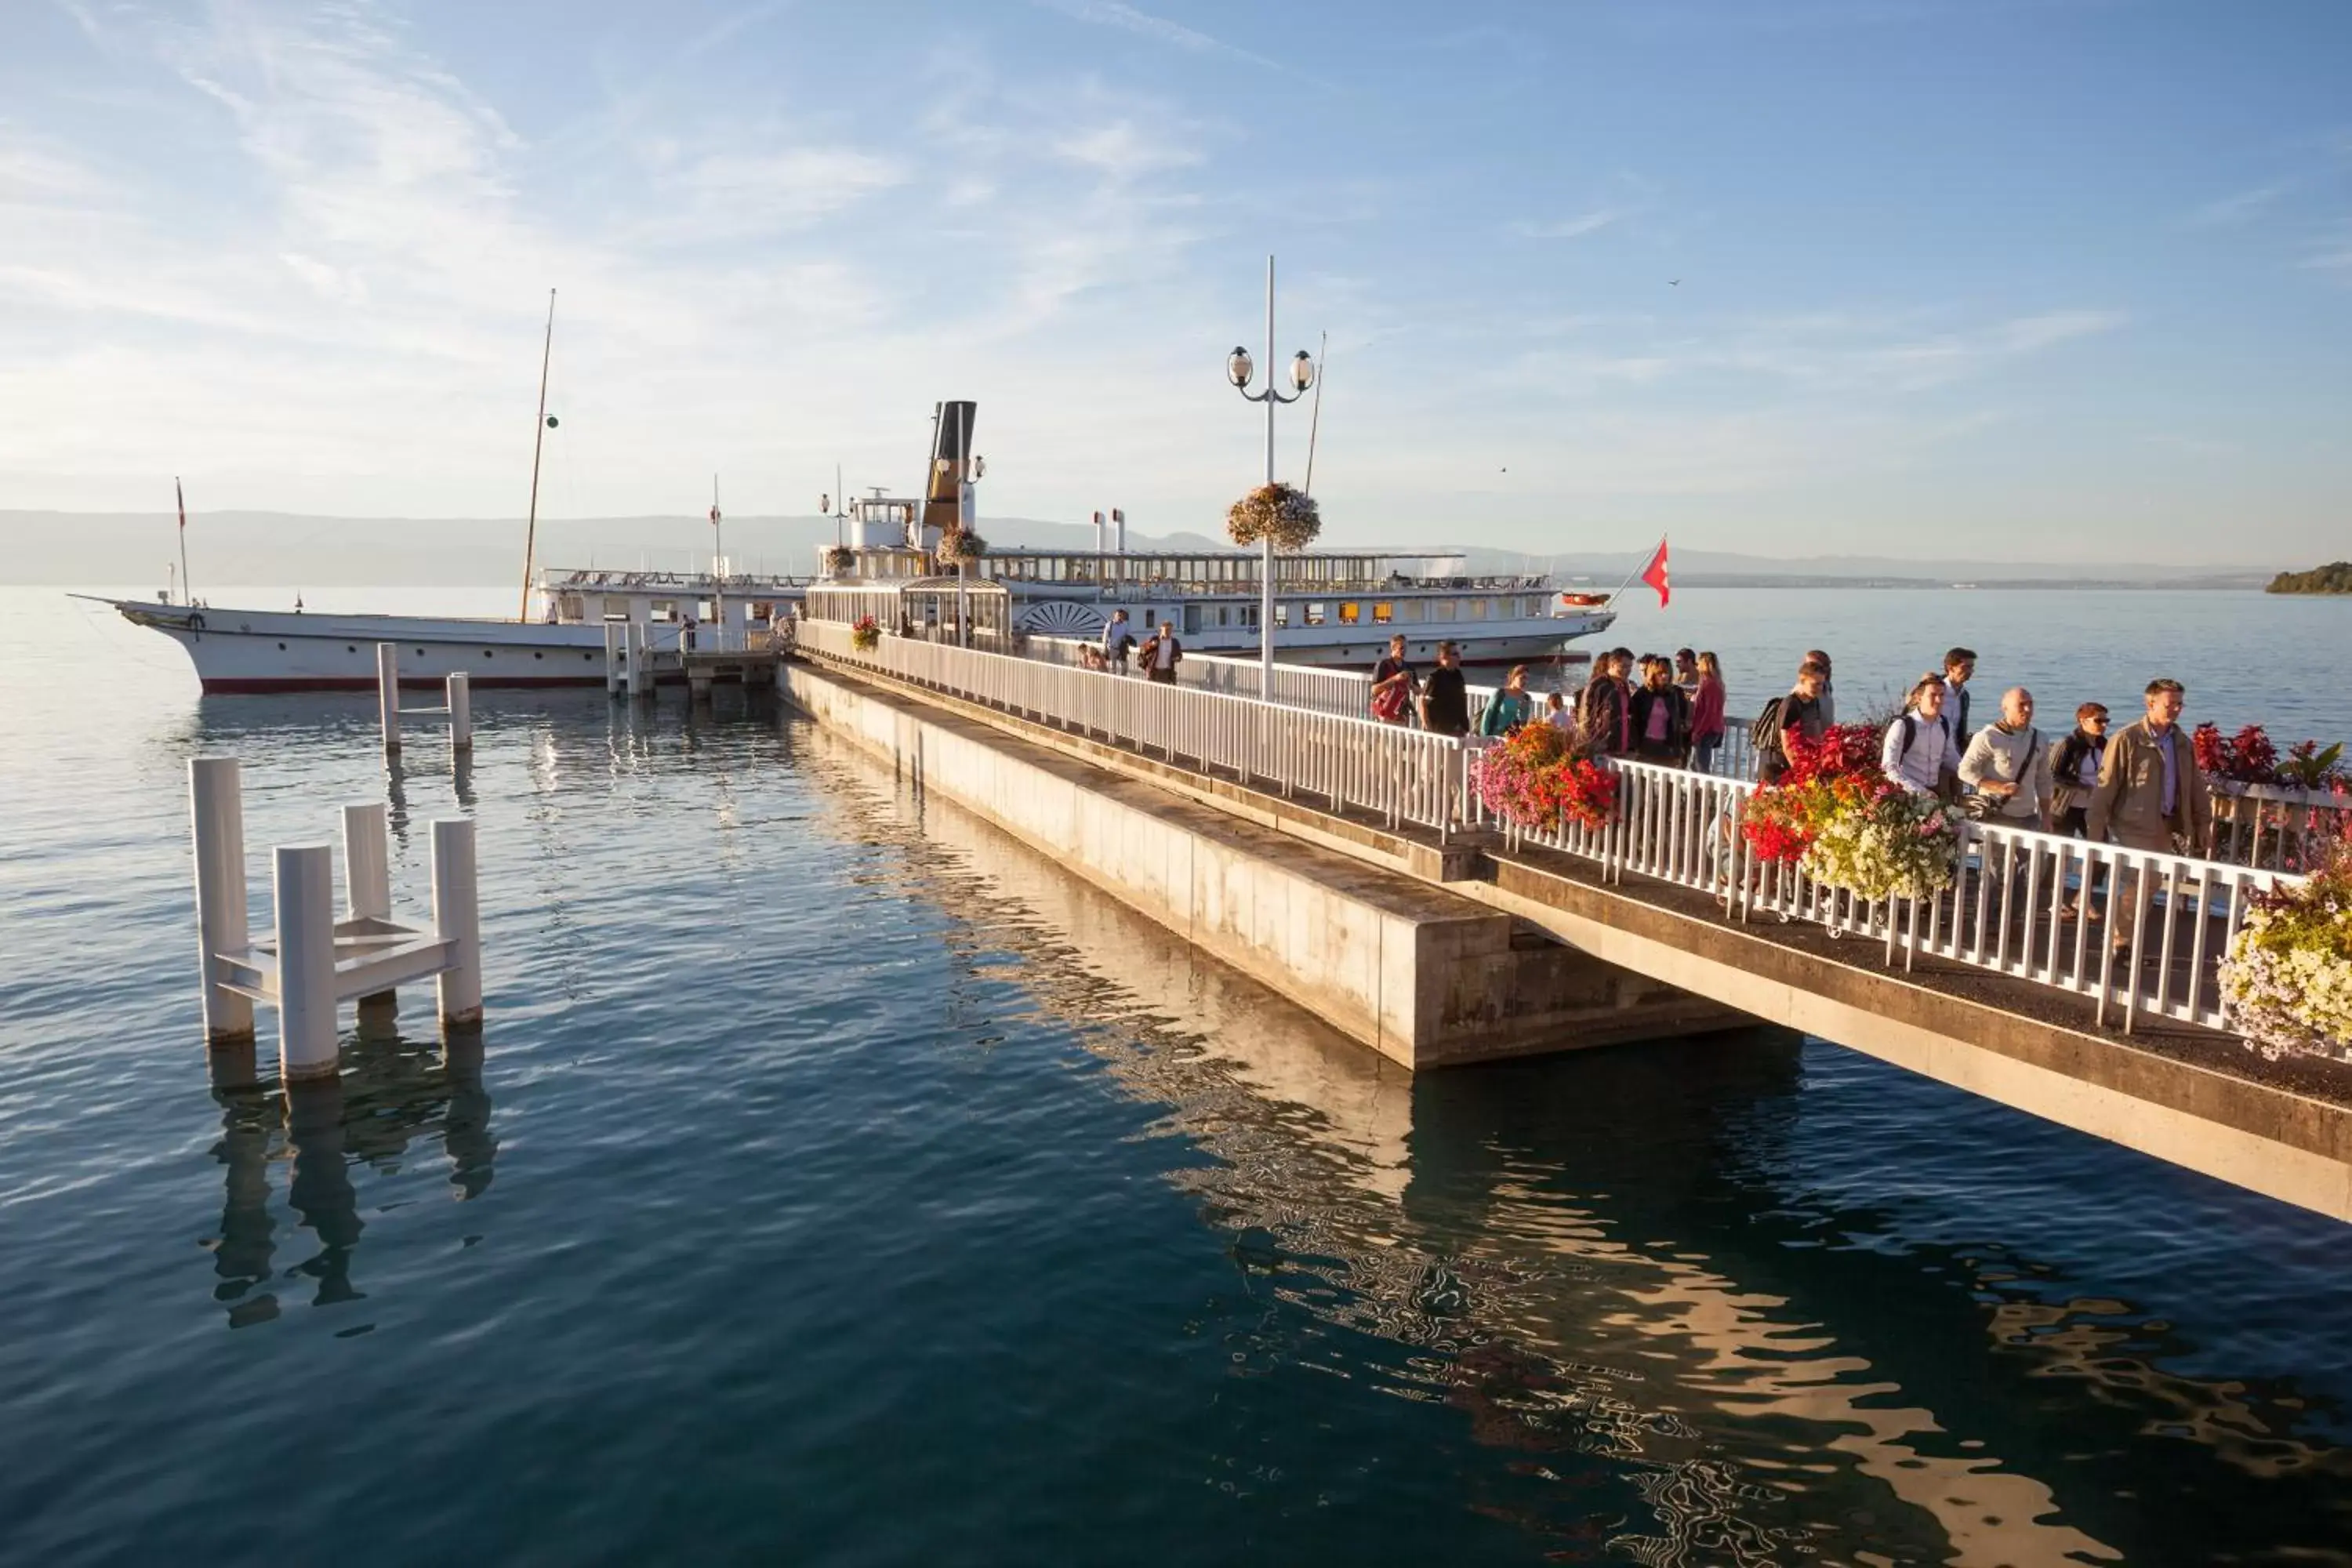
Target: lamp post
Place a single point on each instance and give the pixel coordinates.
(1302, 377)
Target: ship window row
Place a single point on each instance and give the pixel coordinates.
(1201, 574)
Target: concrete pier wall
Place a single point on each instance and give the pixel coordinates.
(1417, 972)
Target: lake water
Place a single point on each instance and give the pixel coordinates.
(840, 1182)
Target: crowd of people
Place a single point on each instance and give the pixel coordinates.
(1670, 712)
(2139, 787)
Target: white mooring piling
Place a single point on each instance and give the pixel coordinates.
(216, 818)
(367, 891)
(387, 692)
(304, 903)
(640, 679)
(460, 699)
(367, 863)
(458, 702)
(313, 962)
(458, 920)
(616, 653)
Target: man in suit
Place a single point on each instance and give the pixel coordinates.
(2150, 795)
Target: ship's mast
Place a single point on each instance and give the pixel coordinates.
(538, 437)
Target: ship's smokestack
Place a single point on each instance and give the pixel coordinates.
(951, 471)
(1118, 521)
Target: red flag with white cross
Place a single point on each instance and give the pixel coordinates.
(1654, 574)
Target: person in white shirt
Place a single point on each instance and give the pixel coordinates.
(2007, 764)
(1916, 752)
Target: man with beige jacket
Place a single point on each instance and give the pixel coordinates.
(2149, 795)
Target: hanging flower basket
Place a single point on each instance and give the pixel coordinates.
(1532, 780)
(1835, 814)
(961, 545)
(1884, 844)
(1783, 819)
(865, 633)
(1288, 515)
(837, 560)
(2286, 983)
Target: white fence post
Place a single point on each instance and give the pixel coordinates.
(304, 898)
(461, 710)
(216, 811)
(456, 919)
(387, 692)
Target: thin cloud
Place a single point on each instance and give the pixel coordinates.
(1143, 23)
(1571, 229)
(1122, 151)
(2243, 207)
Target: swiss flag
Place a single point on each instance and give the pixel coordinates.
(1654, 574)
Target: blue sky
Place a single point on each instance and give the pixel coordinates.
(2034, 279)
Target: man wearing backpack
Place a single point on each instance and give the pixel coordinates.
(1799, 711)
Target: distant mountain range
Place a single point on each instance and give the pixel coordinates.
(265, 549)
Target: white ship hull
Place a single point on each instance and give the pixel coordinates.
(275, 650)
(256, 651)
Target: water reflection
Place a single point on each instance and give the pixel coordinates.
(1677, 1356)
(392, 1094)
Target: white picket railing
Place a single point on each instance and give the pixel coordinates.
(1346, 693)
(2003, 914)
(2273, 826)
(1403, 776)
(2177, 914)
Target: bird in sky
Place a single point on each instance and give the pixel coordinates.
(1674, 283)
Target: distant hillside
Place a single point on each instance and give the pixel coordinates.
(261, 549)
(2336, 577)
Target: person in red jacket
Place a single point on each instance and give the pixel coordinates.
(1706, 714)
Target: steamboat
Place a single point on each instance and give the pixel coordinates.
(1337, 608)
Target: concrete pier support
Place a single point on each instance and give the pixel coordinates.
(387, 694)
(304, 903)
(1418, 973)
(216, 810)
(458, 920)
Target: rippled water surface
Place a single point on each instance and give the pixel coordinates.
(839, 1183)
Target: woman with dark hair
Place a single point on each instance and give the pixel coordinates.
(1660, 715)
(1509, 707)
